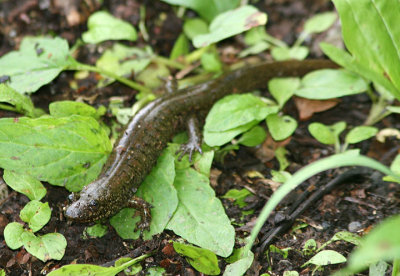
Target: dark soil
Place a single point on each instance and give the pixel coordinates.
(355, 205)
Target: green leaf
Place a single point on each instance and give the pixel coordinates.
(211, 63)
(326, 134)
(103, 26)
(280, 155)
(326, 257)
(123, 60)
(25, 184)
(255, 49)
(231, 23)
(68, 108)
(285, 53)
(345, 60)
(181, 47)
(38, 61)
(370, 32)
(87, 269)
(237, 110)
(158, 190)
(21, 103)
(96, 231)
(12, 235)
(280, 176)
(47, 247)
(330, 83)
(208, 9)
(395, 167)
(382, 243)
(203, 165)
(238, 195)
(220, 138)
(281, 127)
(360, 133)
(241, 263)
(283, 88)
(208, 226)
(202, 260)
(253, 137)
(347, 237)
(155, 271)
(255, 35)
(67, 151)
(194, 26)
(124, 222)
(319, 22)
(36, 214)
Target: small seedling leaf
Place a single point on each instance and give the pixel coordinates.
(194, 27)
(202, 260)
(281, 127)
(326, 134)
(213, 139)
(103, 26)
(285, 53)
(12, 235)
(123, 60)
(36, 214)
(25, 184)
(96, 231)
(47, 247)
(181, 47)
(347, 237)
(283, 88)
(239, 196)
(124, 222)
(253, 137)
(330, 83)
(208, 226)
(360, 133)
(240, 265)
(231, 23)
(326, 257)
(211, 63)
(237, 110)
(320, 22)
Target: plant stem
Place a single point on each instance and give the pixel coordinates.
(168, 62)
(127, 82)
(396, 267)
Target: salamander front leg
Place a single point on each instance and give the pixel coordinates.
(144, 210)
(194, 142)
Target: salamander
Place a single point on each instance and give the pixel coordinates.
(149, 131)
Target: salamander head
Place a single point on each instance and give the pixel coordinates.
(92, 205)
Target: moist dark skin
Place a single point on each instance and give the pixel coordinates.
(147, 134)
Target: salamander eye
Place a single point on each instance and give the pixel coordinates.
(93, 203)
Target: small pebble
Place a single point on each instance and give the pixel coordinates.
(354, 226)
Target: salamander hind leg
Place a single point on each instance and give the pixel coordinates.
(144, 210)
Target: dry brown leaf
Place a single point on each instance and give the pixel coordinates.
(307, 108)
